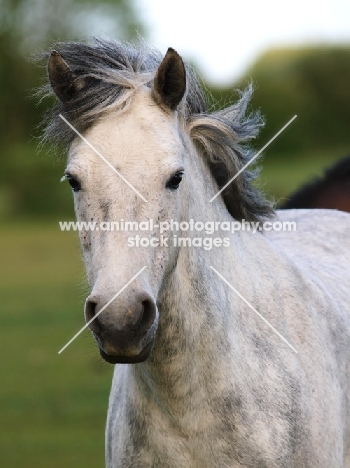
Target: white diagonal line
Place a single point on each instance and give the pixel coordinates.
(103, 308)
(102, 157)
(251, 160)
(254, 310)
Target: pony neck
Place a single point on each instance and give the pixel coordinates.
(196, 308)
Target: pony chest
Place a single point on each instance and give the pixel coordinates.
(217, 432)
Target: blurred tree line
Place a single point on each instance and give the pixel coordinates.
(309, 82)
(26, 26)
(28, 180)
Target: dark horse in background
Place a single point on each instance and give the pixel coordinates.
(332, 190)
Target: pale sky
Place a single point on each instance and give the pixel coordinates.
(225, 36)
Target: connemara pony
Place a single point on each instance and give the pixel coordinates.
(233, 351)
(331, 191)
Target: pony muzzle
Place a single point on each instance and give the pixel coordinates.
(124, 333)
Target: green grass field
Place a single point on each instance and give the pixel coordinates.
(53, 407)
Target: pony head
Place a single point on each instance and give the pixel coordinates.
(147, 150)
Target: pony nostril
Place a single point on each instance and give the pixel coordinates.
(148, 315)
(90, 314)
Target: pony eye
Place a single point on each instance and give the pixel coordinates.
(174, 181)
(73, 182)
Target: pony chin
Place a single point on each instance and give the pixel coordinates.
(141, 357)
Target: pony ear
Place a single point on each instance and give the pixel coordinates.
(170, 80)
(62, 79)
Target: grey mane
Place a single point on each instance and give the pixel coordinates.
(108, 72)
